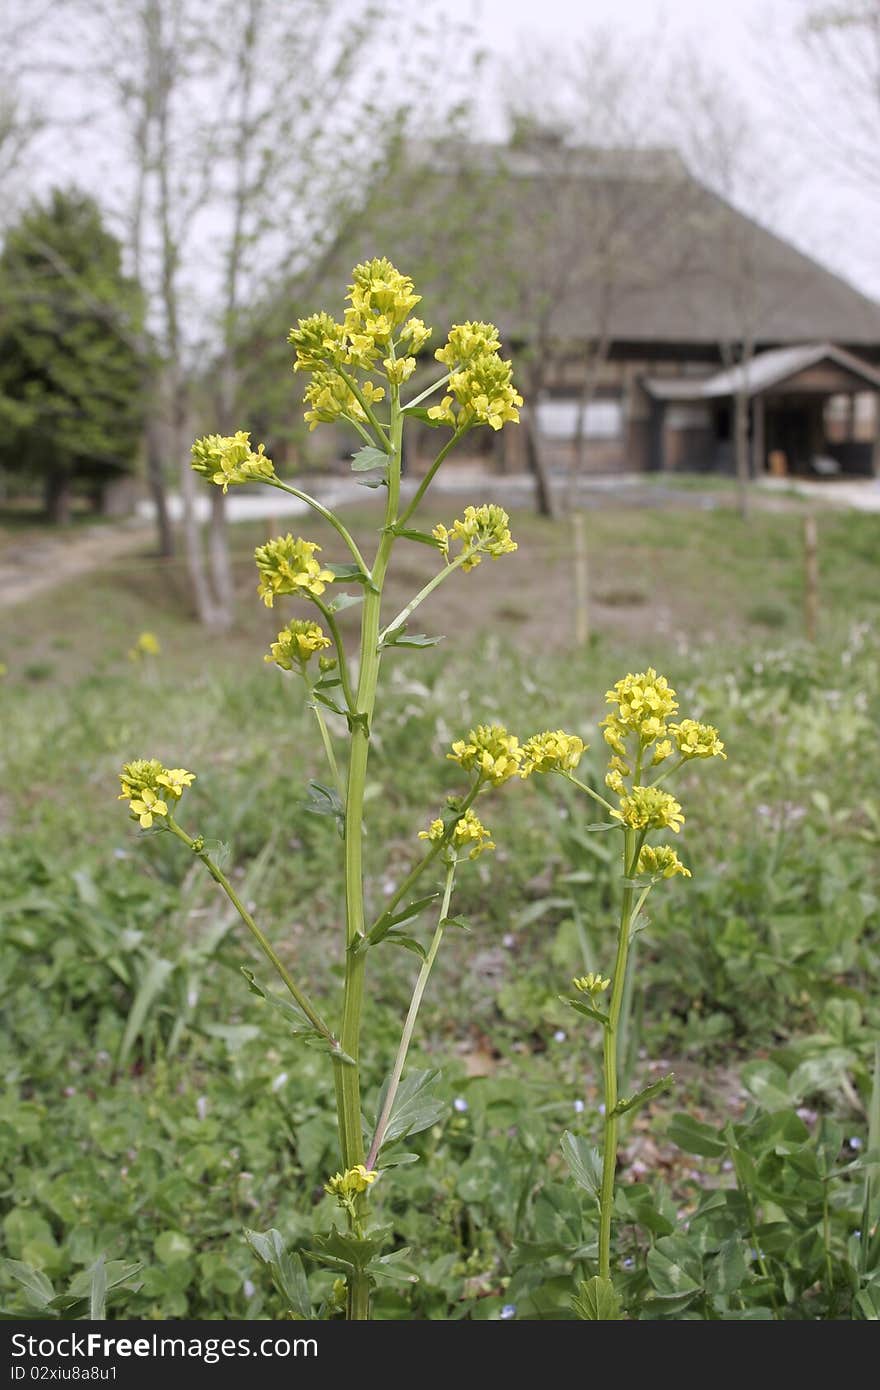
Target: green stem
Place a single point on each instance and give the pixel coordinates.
(409, 1025)
(325, 737)
(358, 1297)
(329, 619)
(386, 444)
(218, 875)
(328, 516)
(668, 773)
(429, 476)
(609, 1150)
(589, 790)
(428, 391)
(422, 595)
(416, 872)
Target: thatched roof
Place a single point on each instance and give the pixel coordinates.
(766, 371)
(564, 245)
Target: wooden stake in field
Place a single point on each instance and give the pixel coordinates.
(811, 577)
(581, 581)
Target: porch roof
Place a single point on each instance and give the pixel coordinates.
(763, 373)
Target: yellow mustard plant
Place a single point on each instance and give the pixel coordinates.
(661, 861)
(591, 983)
(553, 751)
(695, 740)
(225, 459)
(146, 646)
(296, 644)
(357, 364)
(649, 808)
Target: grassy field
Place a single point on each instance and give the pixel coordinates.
(152, 1109)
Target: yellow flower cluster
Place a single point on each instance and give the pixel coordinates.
(551, 752)
(617, 770)
(481, 385)
(226, 459)
(661, 861)
(490, 750)
(649, 808)
(147, 786)
(695, 740)
(482, 530)
(146, 645)
(643, 703)
(288, 566)
(469, 833)
(331, 398)
(347, 1185)
(591, 984)
(296, 644)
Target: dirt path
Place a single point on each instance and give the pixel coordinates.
(33, 561)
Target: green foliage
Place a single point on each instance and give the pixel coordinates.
(71, 349)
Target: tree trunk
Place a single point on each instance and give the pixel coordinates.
(58, 498)
(537, 467)
(221, 562)
(158, 491)
(741, 451)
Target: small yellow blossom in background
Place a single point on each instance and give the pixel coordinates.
(4, 670)
(297, 643)
(146, 806)
(661, 861)
(227, 459)
(175, 780)
(591, 984)
(551, 752)
(644, 702)
(146, 645)
(661, 752)
(469, 831)
(697, 740)
(331, 399)
(345, 1186)
(482, 530)
(288, 566)
(649, 808)
(490, 750)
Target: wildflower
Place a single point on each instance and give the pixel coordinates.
(643, 703)
(318, 341)
(661, 752)
(591, 984)
(380, 292)
(697, 740)
(460, 1105)
(346, 1186)
(469, 830)
(146, 645)
(331, 399)
(175, 780)
(226, 459)
(661, 861)
(146, 806)
(414, 334)
(614, 733)
(482, 530)
(617, 770)
(649, 808)
(491, 751)
(435, 831)
(140, 775)
(551, 752)
(399, 369)
(467, 341)
(297, 644)
(288, 566)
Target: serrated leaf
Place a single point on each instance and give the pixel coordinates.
(296, 1020)
(343, 601)
(347, 572)
(642, 1097)
(415, 1109)
(584, 1162)
(597, 1301)
(325, 801)
(586, 1009)
(329, 703)
(342, 1250)
(286, 1268)
(372, 482)
(368, 458)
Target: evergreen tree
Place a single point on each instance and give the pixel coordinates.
(72, 364)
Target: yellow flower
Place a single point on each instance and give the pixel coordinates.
(481, 383)
(644, 702)
(482, 531)
(414, 334)
(146, 806)
(591, 984)
(379, 291)
(467, 341)
(141, 774)
(175, 780)
(146, 645)
(399, 369)
(489, 750)
(697, 740)
(347, 1185)
(226, 459)
(614, 780)
(297, 644)
(434, 831)
(649, 808)
(661, 752)
(331, 398)
(551, 752)
(442, 412)
(614, 734)
(661, 861)
(318, 341)
(288, 566)
(470, 831)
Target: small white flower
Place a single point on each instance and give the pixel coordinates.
(854, 1143)
(279, 1081)
(559, 1035)
(249, 1288)
(460, 1104)
(508, 1311)
(508, 940)
(579, 1107)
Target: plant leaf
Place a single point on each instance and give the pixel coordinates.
(695, 1138)
(288, 1274)
(642, 1097)
(584, 1162)
(597, 1301)
(415, 1108)
(36, 1287)
(368, 458)
(581, 1008)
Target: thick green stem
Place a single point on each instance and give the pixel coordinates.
(409, 1025)
(609, 1149)
(348, 1077)
(218, 875)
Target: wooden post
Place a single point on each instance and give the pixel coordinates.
(581, 581)
(759, 460)
(811, 577)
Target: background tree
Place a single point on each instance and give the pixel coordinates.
(71, 373)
